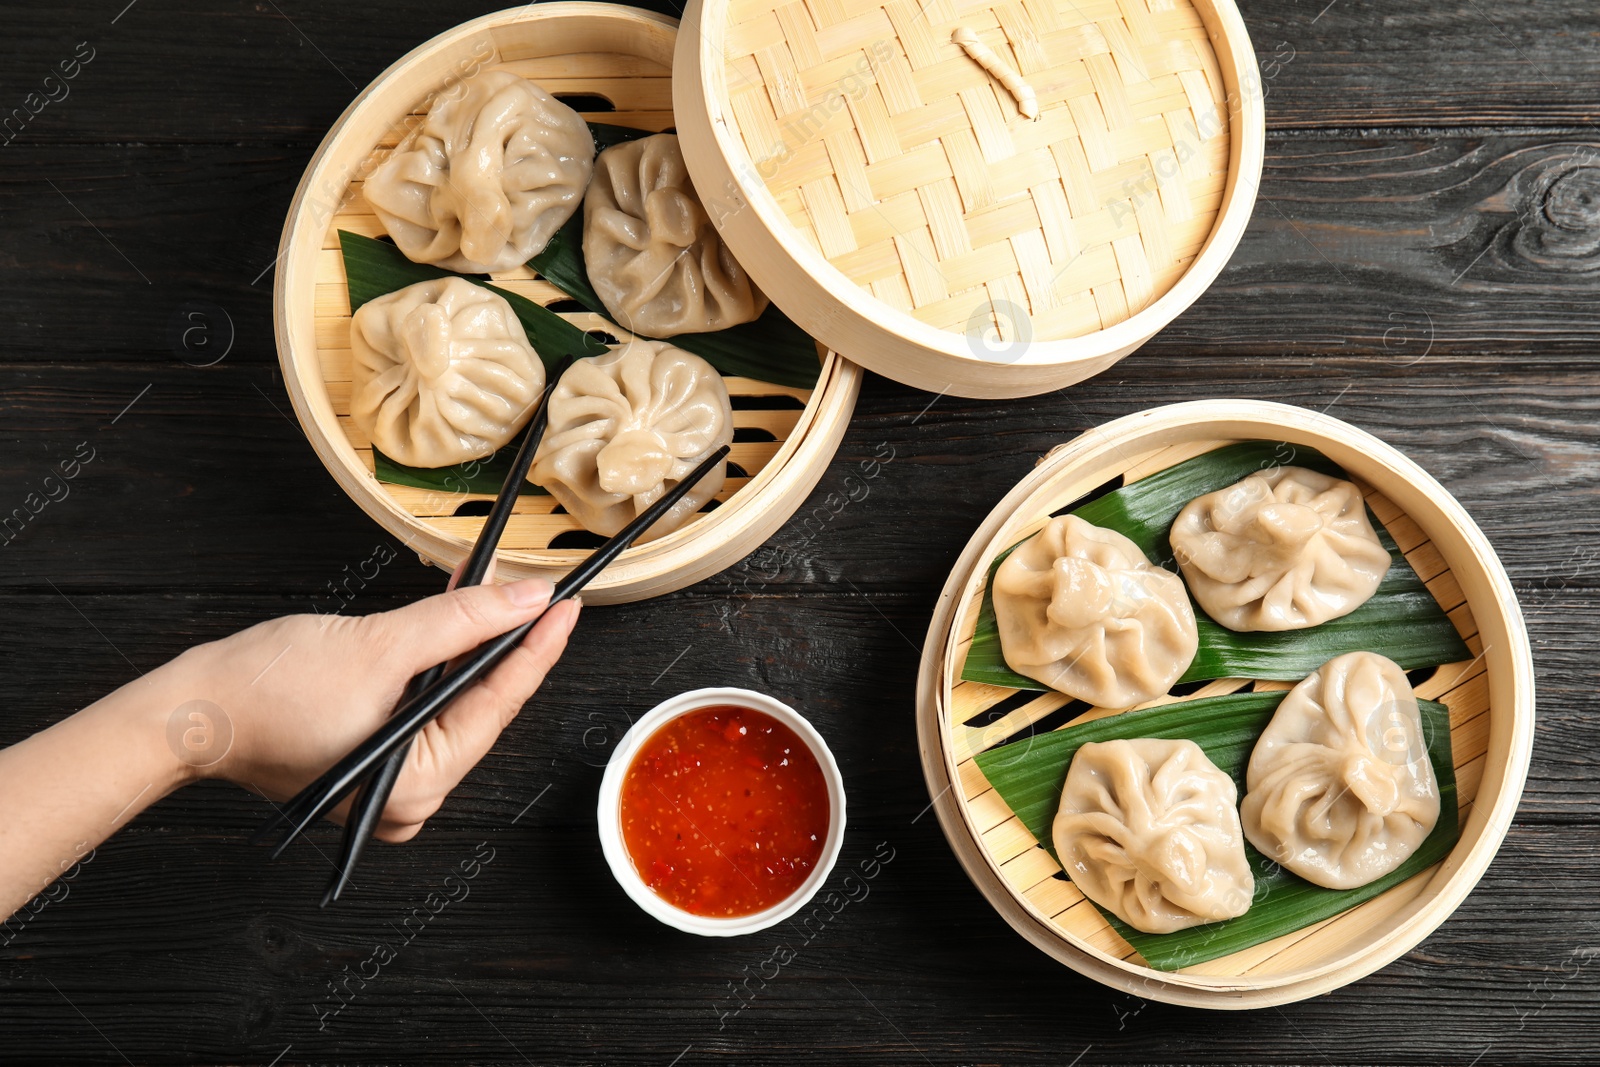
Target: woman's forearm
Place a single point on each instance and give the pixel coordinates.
(66, 789)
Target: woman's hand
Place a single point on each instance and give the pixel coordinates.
(270, 708)
(290, 697)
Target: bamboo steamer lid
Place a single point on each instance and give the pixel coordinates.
(889, 190)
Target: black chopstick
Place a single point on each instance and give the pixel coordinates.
(322, 795)
(367, 809)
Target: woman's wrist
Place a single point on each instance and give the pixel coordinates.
(148, 708)
(166, 728)
(69, 787)
(196, 727)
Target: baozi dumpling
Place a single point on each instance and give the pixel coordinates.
(1340, 789)
(628, 425)
(1082, 610)
(653, 255)
(495, 169)
(1283, 549)
(1148, 830)
(441, 373)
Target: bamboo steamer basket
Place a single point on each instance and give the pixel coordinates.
(891, 194)
(783, 437)
(1491, 702)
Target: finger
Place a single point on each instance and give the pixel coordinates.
(454, 743)
(441, 627)
(455, 575)
(396, 833)
(455, 582)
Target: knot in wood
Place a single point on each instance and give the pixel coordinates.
(1572, 202)
(1558, 225)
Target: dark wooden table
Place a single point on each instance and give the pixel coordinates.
(1423, 263)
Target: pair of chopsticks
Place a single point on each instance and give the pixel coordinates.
(429, 693)
(366, 810)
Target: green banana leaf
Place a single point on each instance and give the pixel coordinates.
(1029, 775)
(1402, 619)
(376, 268)
(477, 476)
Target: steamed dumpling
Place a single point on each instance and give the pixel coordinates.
(488, 178)
(1082, 610)
(627, 426)
(652, 253)
(1283, 549)
(1340, 789)
(1147, 829)
(441, 373)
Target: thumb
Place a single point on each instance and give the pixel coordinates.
(442, 627)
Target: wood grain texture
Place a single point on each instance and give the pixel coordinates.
(192, 73)
(1419, 260)
(1413, 230)
(171, 468)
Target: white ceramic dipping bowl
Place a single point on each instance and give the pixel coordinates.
(610, 812)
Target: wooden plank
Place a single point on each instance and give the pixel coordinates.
(1461, 217)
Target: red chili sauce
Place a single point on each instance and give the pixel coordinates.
(724, 811)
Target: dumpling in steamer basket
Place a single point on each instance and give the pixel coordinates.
(1148, 830)
(652, 253)
(495, 169)
(1340, 788)
(1082, 610)
(1283, 549)
(627, 426)
(441, 373)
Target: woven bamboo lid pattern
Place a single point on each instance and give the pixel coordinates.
(909, 166)
(928, 184)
